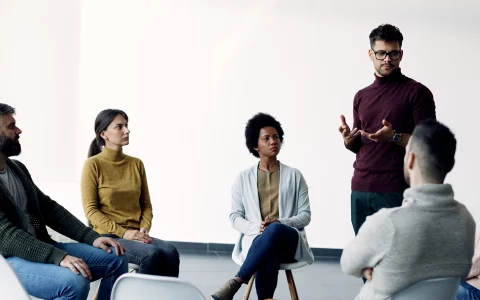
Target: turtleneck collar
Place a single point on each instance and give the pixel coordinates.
(395, 76)
(112, 155)
(429, 196)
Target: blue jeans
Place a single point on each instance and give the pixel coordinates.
(467, 292)
(365, 204)
(156, 258)
(49, 281)
(277, 244)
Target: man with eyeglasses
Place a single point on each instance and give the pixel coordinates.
(384, 116)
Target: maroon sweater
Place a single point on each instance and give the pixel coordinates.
(404, 103)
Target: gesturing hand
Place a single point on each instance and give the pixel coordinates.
(384, 134)
(137, 235)
(105, 243)
(77, 265)
(267, 222)
(367, 273)
(348, 136)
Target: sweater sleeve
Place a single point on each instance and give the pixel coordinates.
(237, 214)
(145, 203)
(16, 242)
(89, 187)
(303, 216)
(60, 219)
(423, 105)
(355, 147)
(369, 246)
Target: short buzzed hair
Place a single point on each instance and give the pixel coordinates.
(435, 146)
(6, 109)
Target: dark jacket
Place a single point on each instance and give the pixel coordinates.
(14, 237)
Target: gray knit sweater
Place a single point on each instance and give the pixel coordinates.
(431, 235)
(14, 238)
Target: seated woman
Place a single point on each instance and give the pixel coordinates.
(470, 288)
(116, 199)
(270, 208)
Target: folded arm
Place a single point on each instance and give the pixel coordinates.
(368, 248)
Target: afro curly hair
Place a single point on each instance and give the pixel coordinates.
(254, 125)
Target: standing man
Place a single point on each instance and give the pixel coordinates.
(384, 116)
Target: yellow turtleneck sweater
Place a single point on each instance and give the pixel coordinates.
(115, 193)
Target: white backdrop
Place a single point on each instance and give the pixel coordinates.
(190, 74)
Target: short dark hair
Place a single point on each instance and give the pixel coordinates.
(104, 118)
(254, 125)
(387, 33)
(6, 109)
(436, 146)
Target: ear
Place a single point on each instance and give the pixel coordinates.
(401, 56)
(411, 160)
(103, 135)
(370, 54)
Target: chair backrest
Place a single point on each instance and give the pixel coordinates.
(10, 286)
(438, 289)
(141, 286)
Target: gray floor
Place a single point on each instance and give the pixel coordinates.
(323, 280)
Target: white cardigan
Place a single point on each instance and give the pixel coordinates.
(294, 210)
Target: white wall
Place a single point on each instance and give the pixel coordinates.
(39, 59)
(190, 74)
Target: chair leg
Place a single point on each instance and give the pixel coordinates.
(96, 293)
(249, 288)
(291, 285)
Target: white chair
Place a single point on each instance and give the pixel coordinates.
(288, 272)
(92, 295)
(438, 289)
(141, 286)
(10, 285)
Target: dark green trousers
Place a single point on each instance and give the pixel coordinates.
(365, 204)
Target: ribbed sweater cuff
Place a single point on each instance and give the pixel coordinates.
(90, 236)
(56, 256)
(120, 231)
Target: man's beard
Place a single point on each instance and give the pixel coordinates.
(9, 147)
(384, 73)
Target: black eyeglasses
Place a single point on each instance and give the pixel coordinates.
(381, 55)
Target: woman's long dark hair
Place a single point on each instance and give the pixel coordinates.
(104, 118)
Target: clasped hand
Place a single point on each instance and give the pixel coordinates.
(267, 222)
(138, 235)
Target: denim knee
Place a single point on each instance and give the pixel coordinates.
(172, 254)
(274, 229)
(276, 226)
(122, 263)
(76, 287)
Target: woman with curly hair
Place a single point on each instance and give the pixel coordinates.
(270, 209)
